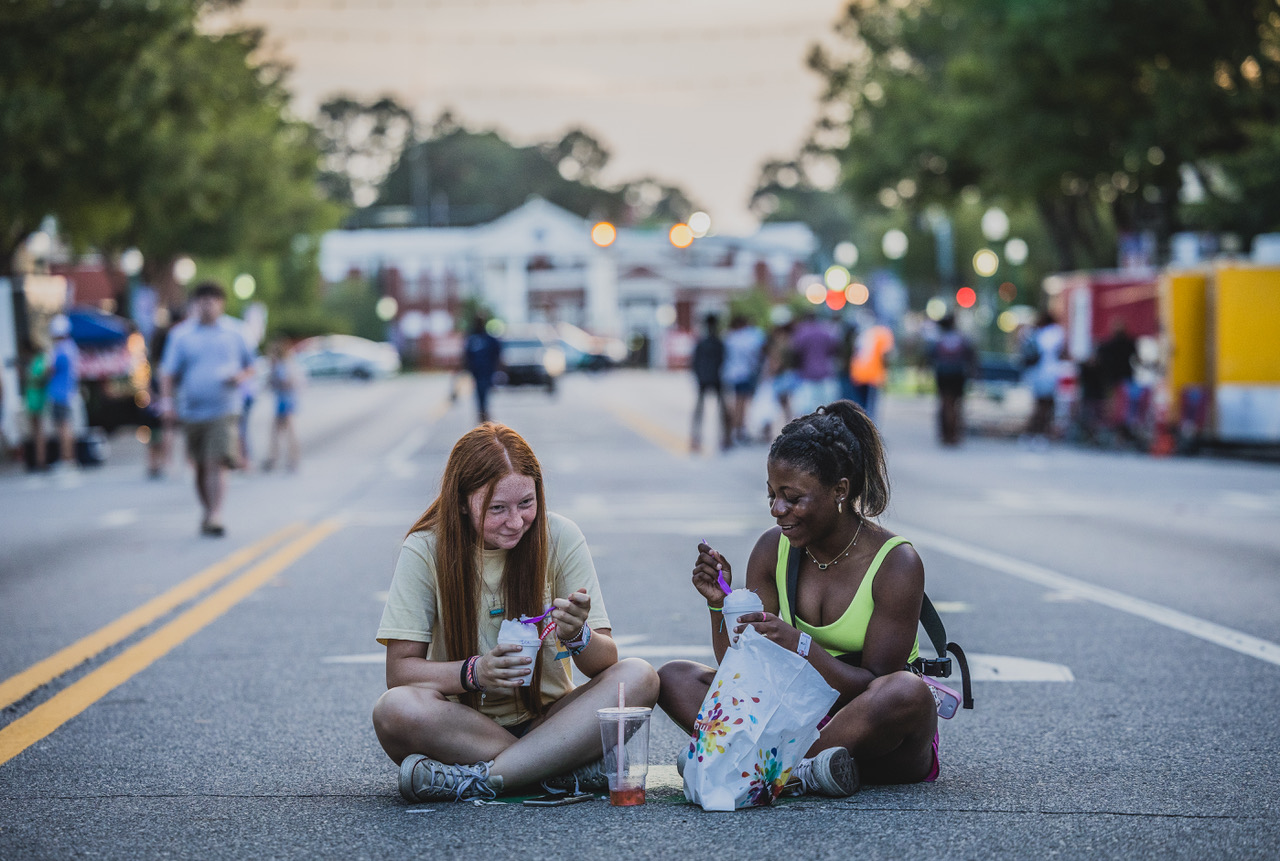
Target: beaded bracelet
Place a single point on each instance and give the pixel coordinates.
(578, 643)
(715, 609)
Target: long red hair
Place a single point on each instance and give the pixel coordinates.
(479, 460)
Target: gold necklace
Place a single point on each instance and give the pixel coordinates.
(843, 553)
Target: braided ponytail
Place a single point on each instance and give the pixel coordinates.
(838, 441)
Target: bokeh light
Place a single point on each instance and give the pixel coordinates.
(680, 235)
(846, 254)
(1016, 251)
(894, 244)
(603, 234)
(1008, 291)
(966, 297)
(244, 285)
(700, 224)
(935, 309)
(986, 262)
(816, 292)
(836, 278)
(835, 299)
(387, 307)
(857, 293)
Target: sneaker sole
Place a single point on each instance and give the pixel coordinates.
(844, 775)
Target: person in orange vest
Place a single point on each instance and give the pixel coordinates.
(869, 368)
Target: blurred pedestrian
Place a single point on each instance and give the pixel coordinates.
(64, 388)
(827, 480)
(869, 369)
(780, 370)
(954, 362)
(160, 442)
(1042, 354)
(482, 354)
(1116, 356)
(35, 400)
(844, 360)
(246, 394)
(743, 345)
(284, 380)
(205, 361)
(816, 344)
(707, 366)
(465, 714)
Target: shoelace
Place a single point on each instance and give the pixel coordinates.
(464, 778)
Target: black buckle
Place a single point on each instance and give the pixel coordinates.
(939, 668)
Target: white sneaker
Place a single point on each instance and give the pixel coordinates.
(423, 779)
(832, 773)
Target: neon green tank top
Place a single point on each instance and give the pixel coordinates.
(848, 633)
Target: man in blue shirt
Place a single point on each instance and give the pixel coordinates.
(205, 360)
(64, 381)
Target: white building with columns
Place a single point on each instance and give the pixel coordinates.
(539, 264)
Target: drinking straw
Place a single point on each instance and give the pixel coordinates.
(724, 584)
(622, 703)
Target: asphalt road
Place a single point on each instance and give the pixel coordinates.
(168, 696)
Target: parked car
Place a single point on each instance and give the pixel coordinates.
(347, 356)
(586, 352)
(531, 357)
(997, 373)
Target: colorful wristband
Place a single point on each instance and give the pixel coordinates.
(578, 643)
(802, 647)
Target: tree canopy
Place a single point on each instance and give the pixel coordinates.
(448, 174)
(136, 129)
(1090, 113)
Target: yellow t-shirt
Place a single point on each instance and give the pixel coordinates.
(413, 606)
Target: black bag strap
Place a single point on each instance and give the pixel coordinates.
(929, 620)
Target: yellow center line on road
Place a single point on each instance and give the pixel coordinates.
(655, 433)
(47, 717)
(16, 687)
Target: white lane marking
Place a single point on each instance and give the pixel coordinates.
(1007, 668)
(399, 460)
(1238, 641)
(119, 518)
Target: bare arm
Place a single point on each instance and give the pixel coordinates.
(407, 664)
(897, 591)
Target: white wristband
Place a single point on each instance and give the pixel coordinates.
(803, 646)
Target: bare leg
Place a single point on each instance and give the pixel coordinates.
(416, 719)
(684, 686)
(211, 484)
(888, 728)
(67, 439)
(38, 440)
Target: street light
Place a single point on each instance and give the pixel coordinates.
(603, 234)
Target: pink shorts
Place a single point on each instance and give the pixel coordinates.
(935, 768)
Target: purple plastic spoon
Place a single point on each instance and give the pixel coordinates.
(724, 584)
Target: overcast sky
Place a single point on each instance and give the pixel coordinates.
(698, 93)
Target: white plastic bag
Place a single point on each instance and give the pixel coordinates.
(759, 717)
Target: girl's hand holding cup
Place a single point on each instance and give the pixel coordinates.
(504, 667)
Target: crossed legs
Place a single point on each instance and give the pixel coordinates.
(417, 719)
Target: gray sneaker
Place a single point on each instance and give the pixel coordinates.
(832, 773)
(591, 777)
(423, 779)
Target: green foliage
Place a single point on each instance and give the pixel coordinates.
(1083, 112)
(455, 176)
(354, 301)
